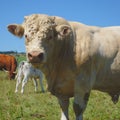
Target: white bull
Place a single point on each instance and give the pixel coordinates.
(27, 71)
(76, 58)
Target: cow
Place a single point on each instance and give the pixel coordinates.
(26, 71)
(8, 63)
(76, 58)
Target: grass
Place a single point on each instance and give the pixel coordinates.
(44, 106)
(20, 58)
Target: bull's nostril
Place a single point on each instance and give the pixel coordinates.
(40, 56)
(29, 55)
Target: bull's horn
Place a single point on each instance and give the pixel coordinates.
(5, 70)
(15, 72)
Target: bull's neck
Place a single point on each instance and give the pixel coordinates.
(62, 56)
(61, 61)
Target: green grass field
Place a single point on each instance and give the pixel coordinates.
(44, 106)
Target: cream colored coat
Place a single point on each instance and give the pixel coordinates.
(75, 58)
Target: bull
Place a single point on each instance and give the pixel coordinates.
(76, 58)
(8, 63)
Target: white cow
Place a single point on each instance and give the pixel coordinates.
(27, 71)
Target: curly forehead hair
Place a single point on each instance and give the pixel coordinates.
(39, 19)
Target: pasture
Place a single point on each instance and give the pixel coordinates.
(44, 106)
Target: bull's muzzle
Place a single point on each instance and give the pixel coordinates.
(35, 56)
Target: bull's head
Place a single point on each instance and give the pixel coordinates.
(43, 36)
(11, 74)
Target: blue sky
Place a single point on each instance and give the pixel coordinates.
(91, 12)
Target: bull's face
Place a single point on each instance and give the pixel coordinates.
(39, 36)
(42, 35)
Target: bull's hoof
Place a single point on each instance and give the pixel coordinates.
(115, 98)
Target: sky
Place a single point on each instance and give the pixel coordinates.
(91, 12)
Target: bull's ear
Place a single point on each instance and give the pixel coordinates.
(63, 30)
(16, 30)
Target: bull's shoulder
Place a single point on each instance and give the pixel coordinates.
(84, 33)
(112, 28)
(83, 38)
(77, 26)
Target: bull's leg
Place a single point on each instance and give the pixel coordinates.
(41, 83)
(23, 83)
(36, 84)
(17, 83)
(81, 96)
(79, 105)
(64, 104)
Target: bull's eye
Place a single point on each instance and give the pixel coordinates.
(27, 39)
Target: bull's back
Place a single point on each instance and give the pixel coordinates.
(4, 62)
(8, 62)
